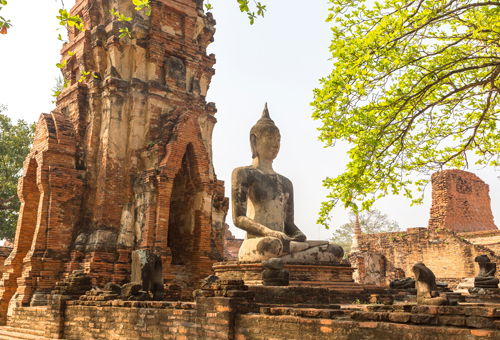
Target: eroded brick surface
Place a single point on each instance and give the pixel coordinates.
(448, 255)
(124, 162)
(461, 227)
(460, 202)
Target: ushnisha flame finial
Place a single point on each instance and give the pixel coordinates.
(265, 118)
(265, 112)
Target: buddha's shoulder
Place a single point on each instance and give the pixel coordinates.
(285, 180)
(243, 172)
(243, 169)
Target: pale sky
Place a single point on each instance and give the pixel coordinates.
(278, 60)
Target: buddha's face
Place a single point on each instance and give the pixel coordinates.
(267, 144)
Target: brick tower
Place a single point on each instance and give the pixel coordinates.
(460, 202)
(124, 161)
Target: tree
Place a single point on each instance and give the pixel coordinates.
(252, 9)
(414, 89)
(371, 222)
(15, 140)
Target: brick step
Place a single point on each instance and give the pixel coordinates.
(7, 332)
(349, 286)
(38, 332)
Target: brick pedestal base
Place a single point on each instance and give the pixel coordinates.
(301, 275)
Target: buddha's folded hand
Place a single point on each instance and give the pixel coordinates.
(279, 235)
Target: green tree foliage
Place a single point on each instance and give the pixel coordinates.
(414, 88)
(15, 140)
(371, 222)
(252, 9)
(4, 23)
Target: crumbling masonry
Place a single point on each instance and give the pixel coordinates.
(461, 227)
(124, 162)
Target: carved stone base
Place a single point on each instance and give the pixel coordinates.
(301, 275)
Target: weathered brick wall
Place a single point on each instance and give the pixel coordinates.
(448, 255)
(487, 238)
(125, 160)
(237, 315)
(460, 202)
(208, 318)
(94, 322)
(38, 318)
(425, 323)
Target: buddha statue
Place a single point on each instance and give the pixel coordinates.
(262, 205)
(425, 282)
(487, 269)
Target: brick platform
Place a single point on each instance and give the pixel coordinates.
(306, 275)
(226, 313)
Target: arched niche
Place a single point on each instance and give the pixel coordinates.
(183, 206)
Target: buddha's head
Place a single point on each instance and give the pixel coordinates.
(265, 137)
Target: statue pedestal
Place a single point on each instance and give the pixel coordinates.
(338, 276)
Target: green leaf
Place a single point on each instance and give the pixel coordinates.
(62, 64)
(124, 32)
(413, 90)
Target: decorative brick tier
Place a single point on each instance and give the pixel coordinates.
(337, 276)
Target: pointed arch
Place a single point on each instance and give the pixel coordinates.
(182, 220)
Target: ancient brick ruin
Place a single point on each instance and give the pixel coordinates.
(124, 162)
(119, 188)
(460, 202)
(461, 227)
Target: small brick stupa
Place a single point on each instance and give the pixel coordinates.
(124, 161)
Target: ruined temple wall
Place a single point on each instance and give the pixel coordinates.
(460, 227)
(488, 238)
(460, 202)
(448, 255)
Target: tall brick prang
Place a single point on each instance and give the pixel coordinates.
(124, 162)
(460, 202)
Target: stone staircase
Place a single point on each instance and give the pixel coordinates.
(12, 333)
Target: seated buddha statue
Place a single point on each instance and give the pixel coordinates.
(487, 269)
(262, 205)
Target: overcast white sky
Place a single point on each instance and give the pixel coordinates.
(278, 60)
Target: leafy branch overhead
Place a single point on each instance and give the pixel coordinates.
(252, 10)
(66, 19)
(414, 88)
